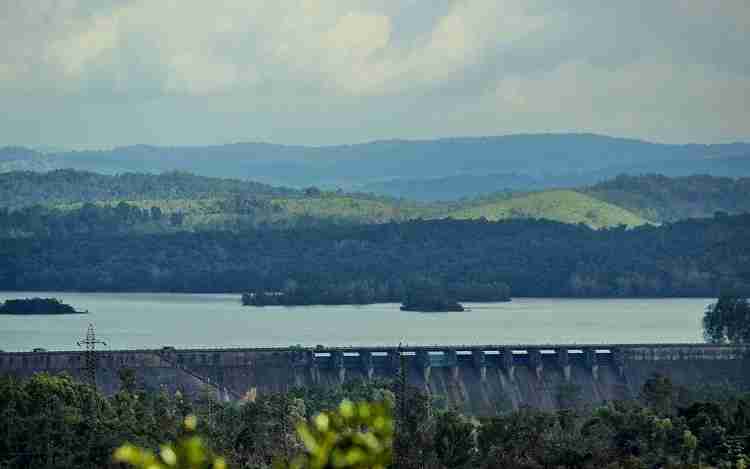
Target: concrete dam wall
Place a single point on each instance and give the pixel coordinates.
(475, 379)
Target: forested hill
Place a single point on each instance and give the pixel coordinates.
(660, 198)
(627, 200)
(701, 257)
(68, 202)
(565, 159)
(26, 188)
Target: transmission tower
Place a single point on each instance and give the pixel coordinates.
(90, 343)
(401, 396)
(401, 457)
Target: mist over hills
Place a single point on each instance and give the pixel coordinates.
(448, 168)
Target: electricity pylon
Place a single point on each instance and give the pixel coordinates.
(90, 343)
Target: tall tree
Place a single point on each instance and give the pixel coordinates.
(727, 321)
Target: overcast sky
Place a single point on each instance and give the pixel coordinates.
(89, 73)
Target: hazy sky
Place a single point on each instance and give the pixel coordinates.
(113, 72)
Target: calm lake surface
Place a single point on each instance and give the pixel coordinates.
(127, 321)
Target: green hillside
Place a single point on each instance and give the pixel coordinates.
(353, 208)
(20, 189)
(238, 212)
(566, 206)
(664, 199)
(74, 202)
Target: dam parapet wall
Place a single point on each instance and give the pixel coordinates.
(476, 379)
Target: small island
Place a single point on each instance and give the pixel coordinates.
(29, 306)
(419, 293)
(434, 307)
(430, 297)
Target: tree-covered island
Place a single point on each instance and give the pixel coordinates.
(37, 306)
(434, 305)
(428, 296)
(416, 292)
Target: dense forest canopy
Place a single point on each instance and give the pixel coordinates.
(36, 306)
(700, 257)
(727, 321)
(66, 186)
(662, 199)
(428, 296)
(57, 422)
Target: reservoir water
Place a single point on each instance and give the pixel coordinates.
(145, 320)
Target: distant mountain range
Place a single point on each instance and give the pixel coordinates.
(442, 169)
(455, 187)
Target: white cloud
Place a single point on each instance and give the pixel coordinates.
(643, 99)
(185, 44)
(356, 36)
(73, 53)
(665, 70)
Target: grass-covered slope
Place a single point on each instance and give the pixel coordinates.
(565, 206)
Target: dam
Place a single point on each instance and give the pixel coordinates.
(475, 379)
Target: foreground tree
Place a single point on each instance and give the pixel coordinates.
(189, 452)
(658, 393)
(55, 422)
(355, 436)
(727, 321)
